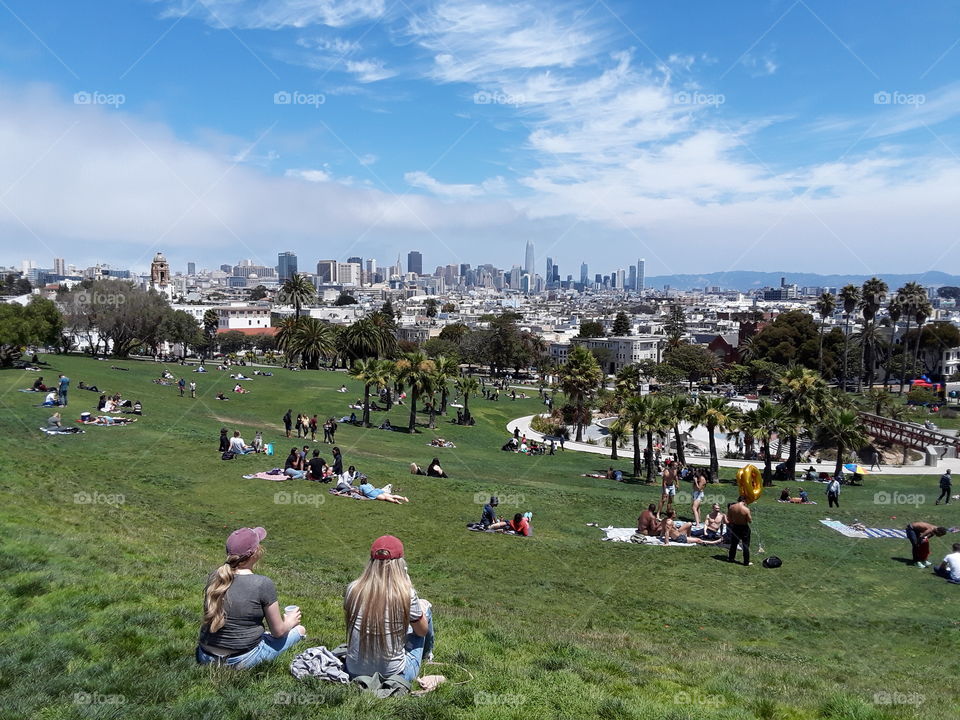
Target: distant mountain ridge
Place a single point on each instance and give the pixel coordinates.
(751, 280)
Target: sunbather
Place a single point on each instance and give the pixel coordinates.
(520, 525)
(670, 532)
(647, 522)
(712, 525)
(368, 490)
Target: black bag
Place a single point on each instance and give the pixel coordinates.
(772, 562)
(227, 456)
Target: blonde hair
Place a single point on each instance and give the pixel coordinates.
(214, 615)
(382, 596)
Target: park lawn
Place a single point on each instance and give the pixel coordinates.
(101, 601)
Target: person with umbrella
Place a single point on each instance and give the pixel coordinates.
(858, 472)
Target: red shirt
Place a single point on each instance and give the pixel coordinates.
(523, 527)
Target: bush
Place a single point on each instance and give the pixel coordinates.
(547, 425)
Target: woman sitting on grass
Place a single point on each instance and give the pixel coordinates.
(236, 602)
(378, 607)
(294, 467)
(433, 469)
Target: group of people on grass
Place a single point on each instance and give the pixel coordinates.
(389, 627)
(519, 524)
(300, 465)
(306, 425)
(238, 446)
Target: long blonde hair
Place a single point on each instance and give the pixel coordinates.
(214, 615)
(382, 596)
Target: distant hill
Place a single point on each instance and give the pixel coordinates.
(751, 280)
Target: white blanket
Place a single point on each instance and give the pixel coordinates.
(614, 534)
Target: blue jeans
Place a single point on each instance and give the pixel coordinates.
(947, 575)
(268, 649)
(416, 648)
(295, 474)
(62, 396)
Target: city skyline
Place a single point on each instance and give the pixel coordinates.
(766, 135)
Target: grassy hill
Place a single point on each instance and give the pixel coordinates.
(101, 600)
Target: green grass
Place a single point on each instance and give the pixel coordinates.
(101, 602)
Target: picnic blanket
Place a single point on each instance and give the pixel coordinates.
(276, 475)
(848, 531)
(62, 431)
(116, 421)
(797, 502)
(615, 534)
(447, 444)
(31, 390)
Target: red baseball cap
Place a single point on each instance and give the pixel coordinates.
(386, 547)
(245, 541)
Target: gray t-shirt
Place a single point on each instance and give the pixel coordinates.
(245, 603)
(392, 663)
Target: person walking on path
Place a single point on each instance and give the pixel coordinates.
(740, 518)
(875, 459)
(946, 485)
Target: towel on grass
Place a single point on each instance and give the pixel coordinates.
(31, 390)
(347, 494)
(797, 501)
(866, 532)
(62, 431)
(614, 534)
(276, 475)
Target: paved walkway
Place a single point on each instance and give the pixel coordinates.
(524, 424)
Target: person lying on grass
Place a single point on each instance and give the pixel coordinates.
(520, 525)
(378, 608)
(669, 532)
(433, 469)
(369, 491)
(236, 602)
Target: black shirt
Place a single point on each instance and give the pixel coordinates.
(316, 467)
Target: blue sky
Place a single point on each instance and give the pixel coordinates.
(702, 135)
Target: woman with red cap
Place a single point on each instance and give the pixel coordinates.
(389, 628)
(237, 601)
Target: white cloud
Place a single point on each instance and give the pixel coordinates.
(368, 159)
(759, 65)
(277, 14)
(316, 176)
(368, 71)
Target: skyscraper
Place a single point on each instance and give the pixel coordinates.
(59, 266)
(327, 271)
(191, 268)
(641, 275)
(632, 278)
(528, 266)
(584, 274)
(286, 265)
(549, 276)
(415, 262)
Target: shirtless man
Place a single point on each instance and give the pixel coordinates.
(669, 487)
(919, 534)
(669, 532)
(647, 522)
(699, 482)
(740, 517)
(712, 526)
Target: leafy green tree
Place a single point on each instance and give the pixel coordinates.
(503, 342)
(454, 333)
(763, 422)
(430, 306)
(676, 413)
(445, 370)
(344, 299)
(231, 341)
(435, 347)
(591, 329)
(211, 321)
(676, 324)
(793, 338)
(580, 377)
(872, 295)
(15, 284)
(694, 361)
(467, 386)
(181, 328)
(621, 325)
(616, 430)
(907, 299)
(257, 293)
(39, 322)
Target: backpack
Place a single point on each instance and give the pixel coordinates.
(227, 456)
(772, 562)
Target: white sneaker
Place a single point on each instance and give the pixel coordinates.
(920, 565)
(927, 563)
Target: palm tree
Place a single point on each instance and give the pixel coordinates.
(677, 412)
(632, 415)
(762, 422)
(824, 306)
(922, 311)
(803, 397)
(841, 428)
(617, 430)
(372, 373)
(467, 386)
(873, 293)
(286, 332)
(296, 291)
(850, 297)
(446, 369)
(415, 370)
(312, 340)
(894, 313)
(715, 413)
(908, 297)
(579, 379)
(362, 339)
